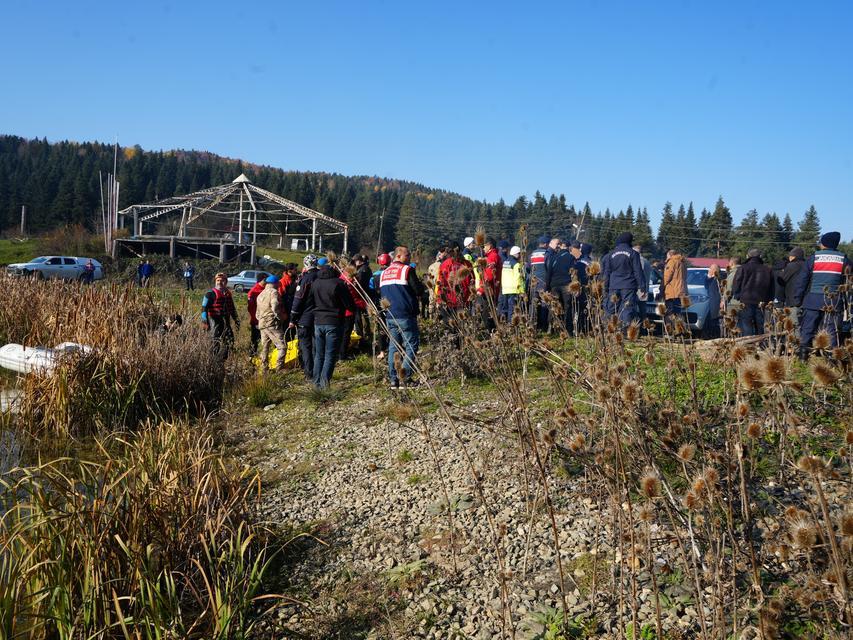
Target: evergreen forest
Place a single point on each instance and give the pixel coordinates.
(59, 184)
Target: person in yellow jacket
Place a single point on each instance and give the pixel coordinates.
(472, 253)
(512, 284)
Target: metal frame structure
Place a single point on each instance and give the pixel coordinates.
(238, 208)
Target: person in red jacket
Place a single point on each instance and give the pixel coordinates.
(252, 306)
(347, 276)
(490, 283)
(454, 284)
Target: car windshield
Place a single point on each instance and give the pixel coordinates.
(38, 260)
(697, 277)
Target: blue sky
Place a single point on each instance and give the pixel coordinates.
(606, 102)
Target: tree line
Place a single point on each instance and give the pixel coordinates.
(59, 184)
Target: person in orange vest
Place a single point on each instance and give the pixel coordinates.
(217, 307)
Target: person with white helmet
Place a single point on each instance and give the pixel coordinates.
(302, 314)
(512, 284)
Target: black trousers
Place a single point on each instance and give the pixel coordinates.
(223, 337)
(305, 336)
(254, 338)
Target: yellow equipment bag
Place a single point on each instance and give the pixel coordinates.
(292, 353)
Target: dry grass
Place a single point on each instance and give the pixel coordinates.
(154, 539)
(135, 371)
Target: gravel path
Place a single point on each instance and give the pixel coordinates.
(369, 485)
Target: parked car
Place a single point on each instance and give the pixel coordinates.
(63, 267)
(245, 280)
(699, 309)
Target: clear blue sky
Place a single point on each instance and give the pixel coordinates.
(606, 102)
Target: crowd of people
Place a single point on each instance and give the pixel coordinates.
(558, 285)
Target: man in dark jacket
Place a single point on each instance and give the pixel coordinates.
(581, 253)
(622, 274)
(787, 280)
(400, 286)
(302, 314)
(330, 298)
(537, 269)
(363, 276)
(560, 271)
(753, 287)
(817, 291)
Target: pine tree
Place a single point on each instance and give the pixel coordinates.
(406, 228)
(748, 234)
(787, 231)
(665, 230)
(691, 245)
(643, 231)
(771, 232)
(808, 231)
(720, 235)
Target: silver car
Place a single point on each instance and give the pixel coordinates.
(62, 267)
(245, 280)
(699, 310)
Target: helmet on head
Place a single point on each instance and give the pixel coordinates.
(384, 259)
(271, 280)
(515, 251)
(309, 261)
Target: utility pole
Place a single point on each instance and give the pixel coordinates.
(379, 237)
(23, 220)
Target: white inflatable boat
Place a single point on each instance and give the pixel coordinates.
(23, 359)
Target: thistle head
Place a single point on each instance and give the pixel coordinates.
(577, 443)
(824, 374)
(686, 452)
(594, 269)
(480, 236)
(750, 378)
(822, 340)
(774, 369)
(803, 534)
(812, 465)
(650, 484)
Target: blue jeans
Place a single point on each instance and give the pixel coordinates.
(813, 321)
(327, 339)
(404, 332)
(626, 305)
(506, 305)
(750, 320)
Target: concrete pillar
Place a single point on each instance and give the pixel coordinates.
(172, 247)
(222, 252)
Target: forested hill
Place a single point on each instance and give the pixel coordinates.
(59, 184)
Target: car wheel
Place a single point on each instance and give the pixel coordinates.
(38, 275)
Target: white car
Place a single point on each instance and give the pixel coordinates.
(245, 280)
(62, 267)
(699, 309)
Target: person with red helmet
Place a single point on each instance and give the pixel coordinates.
(454, 283)
(383, 259)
